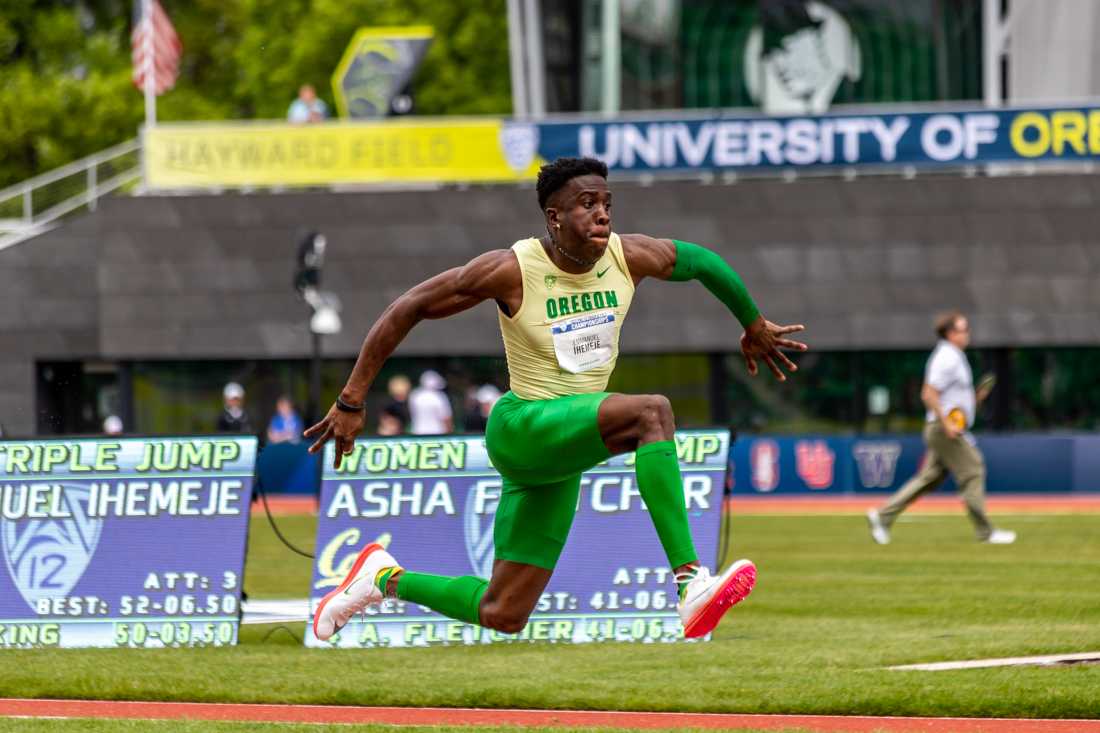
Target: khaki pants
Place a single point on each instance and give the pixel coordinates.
(955, 455)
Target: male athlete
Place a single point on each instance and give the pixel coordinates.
(561, 301)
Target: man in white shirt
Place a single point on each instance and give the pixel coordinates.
(429, 407)
(949, 395)
(308, 107)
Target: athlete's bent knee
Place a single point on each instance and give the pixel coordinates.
(503, 620)
(655, 416)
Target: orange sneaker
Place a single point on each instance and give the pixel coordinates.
(353, 595)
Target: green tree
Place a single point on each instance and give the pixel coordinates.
(65, 87)
(66, 91)
(301, 41)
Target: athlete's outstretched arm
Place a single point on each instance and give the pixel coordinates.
(671, 259)
(493, 275)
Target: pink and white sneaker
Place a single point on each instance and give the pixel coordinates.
(353, 595)
(707, 598)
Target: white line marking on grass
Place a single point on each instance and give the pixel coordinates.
(264, 611)
(1044, 660)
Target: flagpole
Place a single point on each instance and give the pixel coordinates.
(150, 66)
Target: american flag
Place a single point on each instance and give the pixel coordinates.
(155, 47)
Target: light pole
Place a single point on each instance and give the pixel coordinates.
(326, 311)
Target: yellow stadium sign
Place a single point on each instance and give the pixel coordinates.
(229, 155)
(377, 64)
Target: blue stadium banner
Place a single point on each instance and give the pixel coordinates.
(431, 501)
(822, 465)
(132, 542)
(834, 465)
(719, 142)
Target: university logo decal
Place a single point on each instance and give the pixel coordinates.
(47, 557)
(814, 461)
(520, 144)
(877, 462)
(797, 58)
(764, 465)
(550, 280)
(478, 532)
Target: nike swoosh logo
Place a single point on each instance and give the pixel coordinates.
(692, 599)
(601, 274)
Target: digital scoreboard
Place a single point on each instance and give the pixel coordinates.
(432, 500)
(133, 542)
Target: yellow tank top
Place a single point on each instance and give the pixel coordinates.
(565, 338)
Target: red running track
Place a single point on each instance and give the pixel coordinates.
(334, 714)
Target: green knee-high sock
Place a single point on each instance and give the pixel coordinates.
(458, 598)
(659, 483)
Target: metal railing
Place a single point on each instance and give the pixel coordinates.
(30, 208)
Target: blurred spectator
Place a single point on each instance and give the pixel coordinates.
(429, 407)
(470, 410)
(389, 422)
(487, 396)
(234, 419)
(285, 425)
(477, 417)
(398, 406)
(949, 394)
(307, 107)
(112, 425)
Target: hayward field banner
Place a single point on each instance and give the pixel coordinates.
(432, 501)
(278, 154)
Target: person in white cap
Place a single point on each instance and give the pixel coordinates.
(477, 417)
(234, 419)
(429, 407)
(112, 425)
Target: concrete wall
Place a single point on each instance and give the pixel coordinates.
(49, 309)
(1053, 55)
(864, 264)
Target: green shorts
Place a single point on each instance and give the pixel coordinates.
(540, 448)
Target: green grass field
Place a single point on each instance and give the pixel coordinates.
(830, 611)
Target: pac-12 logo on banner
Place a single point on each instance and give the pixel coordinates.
(877, 463)
(764, 463)
(814, 461)
(47, 557)
(477, 526)
(520, 144)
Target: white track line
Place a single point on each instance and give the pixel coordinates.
(1006, 662)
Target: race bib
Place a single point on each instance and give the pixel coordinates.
(584, 342)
